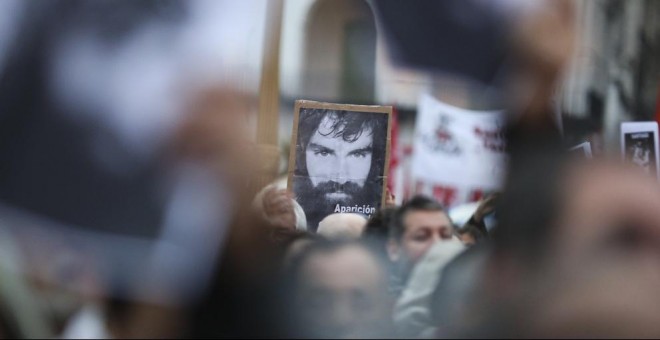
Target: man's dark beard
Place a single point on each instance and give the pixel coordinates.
(350, 189)
(317, 206)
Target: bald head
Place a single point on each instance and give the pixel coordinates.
(342, 226)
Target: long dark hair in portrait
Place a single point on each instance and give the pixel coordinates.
(350, 126)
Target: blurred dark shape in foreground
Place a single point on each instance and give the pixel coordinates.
(119, 163)
(467, 38)
(50, 157)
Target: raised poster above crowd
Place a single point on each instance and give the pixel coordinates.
(458, 154)
(338, 158)
(639, 146)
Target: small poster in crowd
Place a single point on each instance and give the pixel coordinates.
(582, 150)
(639, 145)
(338, 160)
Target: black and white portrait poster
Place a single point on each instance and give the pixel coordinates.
(639, 144)
(338, 160)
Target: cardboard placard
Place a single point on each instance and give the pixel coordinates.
(639, 145)
(339, 158)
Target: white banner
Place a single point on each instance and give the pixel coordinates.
(459, 155)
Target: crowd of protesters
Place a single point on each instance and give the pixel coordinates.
(575, 251)
(359, 277)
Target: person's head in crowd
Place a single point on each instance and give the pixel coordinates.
(284, 237)
(339, 290)
(377, 230)
(378, 225)
(416, 226)
(299, 244)
(289, 243)
(342, 226)
(339, 161)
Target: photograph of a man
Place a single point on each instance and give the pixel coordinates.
(339, 157)
(641, 150)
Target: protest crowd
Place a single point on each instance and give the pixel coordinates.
(136, 201)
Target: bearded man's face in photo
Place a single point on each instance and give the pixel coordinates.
(337, 166)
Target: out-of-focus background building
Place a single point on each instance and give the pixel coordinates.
(335, 50)
(615, 69)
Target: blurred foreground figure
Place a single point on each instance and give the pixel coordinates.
(125, 155)
(586, 268)
(576, 251)
(340, 291)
